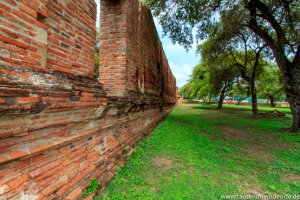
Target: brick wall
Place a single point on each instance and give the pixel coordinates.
(131, 57)
(59, 126)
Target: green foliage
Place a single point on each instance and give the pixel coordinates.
(241, 90)
(180, 18)
(241, 50)
(271, 83)
(198, 86)
(203, 163)
(222, 74)
(91, 188)
(207, 80)
(96, 55)
(269, 27)
(185, 92)
(96, 61)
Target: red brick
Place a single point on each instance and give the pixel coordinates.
(40, 148)
(75, 194)
(41, 197)
(49, 173)
(3, 158)
(65, 188)
(13, 41)
(90, 197)
(73, 174)
(25, 75)
(9, 178)
(4, 7)
(54, 99)
(27, 99)
(87, 99)
(12, 2)
(48, 191)
(17, 182)
(92, 155)
(76, 153)
(103, 183)
(28, 10)
(4, 189)
(43, 169)
(61, 182)
(54, 124)
(17, 154)
(46, 182)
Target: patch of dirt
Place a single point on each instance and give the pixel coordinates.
(251, 118)
(281, 144)
(255, 129)
(289, 131)
(251, 187)
(270, 139)
(254, 190)
(181, 123)
(234, 134)
(260, 152)
(163, 163)
(272, 114)
(291, 178)
(215, 116)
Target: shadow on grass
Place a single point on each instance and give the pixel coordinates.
(224, 109)
(200, 154)
(233, 108)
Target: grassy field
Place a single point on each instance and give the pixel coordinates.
(202, 153)
(247, 108)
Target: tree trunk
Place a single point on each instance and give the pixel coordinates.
(272, 101)
(290, 70)
(293, 95)
(221, 99)
(254, 97)
(239, 101)
(209, 99)
(295, 108)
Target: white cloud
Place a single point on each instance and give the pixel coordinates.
(98, 13)
(181, 62)
(173, 47)
(181, 72)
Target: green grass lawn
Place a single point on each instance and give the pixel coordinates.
(202, 153)
(247, 108)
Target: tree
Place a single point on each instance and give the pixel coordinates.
(185, 92)
(221, 81)
(198, 86)
(210, 80)
(276, 22)
(271, 84)
(222, 75)
(240, 91)
(247, 61)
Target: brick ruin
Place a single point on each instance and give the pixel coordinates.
(59, 125)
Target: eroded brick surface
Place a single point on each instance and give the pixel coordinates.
(59, 126)
(131, 55)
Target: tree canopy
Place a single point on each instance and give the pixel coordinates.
(270, 84)
(274, 23)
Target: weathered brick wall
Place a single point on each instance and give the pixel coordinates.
(49, 35)
(58, 125)
(131, 55)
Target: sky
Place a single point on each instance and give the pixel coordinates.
(180, 61)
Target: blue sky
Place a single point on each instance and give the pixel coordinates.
(180, 61)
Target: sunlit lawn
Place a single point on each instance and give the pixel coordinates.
(201, 153)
